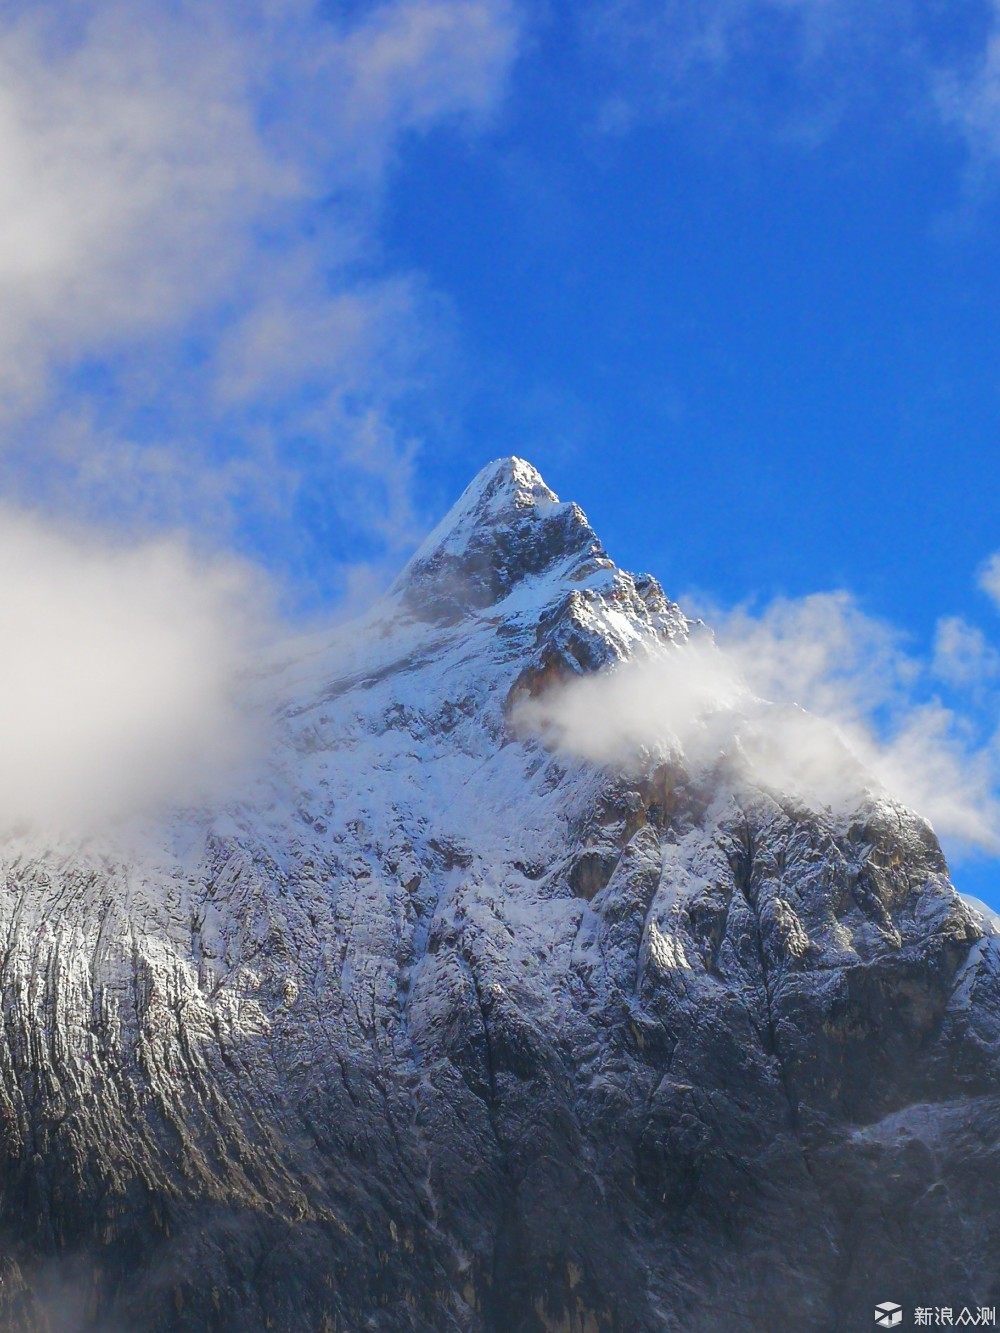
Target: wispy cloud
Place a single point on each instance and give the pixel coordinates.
(795, 68)
(812, 698)
(989, 578)
(195, 302)
(969, 97)
(962, 655)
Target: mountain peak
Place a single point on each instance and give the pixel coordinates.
(497, 493)
(506, 527)
(506, 481)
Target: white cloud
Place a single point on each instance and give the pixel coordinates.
(119, 678)
(189, 249)
(412, 64)
(989, 578)
(844, 718)
(133, 169)
(962, 655)
(821, 652)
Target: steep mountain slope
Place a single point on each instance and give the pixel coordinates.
(442, 1030)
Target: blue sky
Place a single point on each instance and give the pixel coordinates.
(282, 281)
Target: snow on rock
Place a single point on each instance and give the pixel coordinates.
(439, 1029)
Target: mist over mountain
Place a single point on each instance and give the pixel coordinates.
(547, 978)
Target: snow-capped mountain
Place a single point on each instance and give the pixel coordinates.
(446, 1030)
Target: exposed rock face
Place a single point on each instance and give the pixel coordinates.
(451, 1033)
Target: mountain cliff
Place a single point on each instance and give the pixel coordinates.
(442, 1029)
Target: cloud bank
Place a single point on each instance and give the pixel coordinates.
(119, 676)
(812, 698)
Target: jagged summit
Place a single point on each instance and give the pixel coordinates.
(507, 526)
(497, 492)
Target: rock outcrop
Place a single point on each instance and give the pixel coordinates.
(444, 1030)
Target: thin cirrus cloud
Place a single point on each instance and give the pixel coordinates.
(989, 579)
(970, 98)
(798, 68)
(190, 267)
(811, 698)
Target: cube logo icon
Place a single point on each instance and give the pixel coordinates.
(888, 1314)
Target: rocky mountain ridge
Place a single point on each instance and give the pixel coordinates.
(446, 1030)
